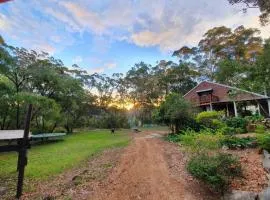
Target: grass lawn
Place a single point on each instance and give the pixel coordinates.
(53, 158)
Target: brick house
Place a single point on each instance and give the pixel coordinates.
(234, 101)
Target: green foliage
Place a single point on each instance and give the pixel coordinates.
(217, 170)
(254, 118)
(173, 138)
(46, 112)
(1, 40)
(238, 123)
(219, 43)
(264, 141)
(211, 119)
(230, 72)
(204, 140)
(59, 130)
(236, 143)
(260, 128)
(231, 131)
(228, 130)
(116, 119)
(175, 111)
(57, 92)
(176, 78)
(239, 131)
(260, 73)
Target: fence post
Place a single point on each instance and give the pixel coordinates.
(22, 159)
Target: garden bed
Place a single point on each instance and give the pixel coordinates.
(254, 177)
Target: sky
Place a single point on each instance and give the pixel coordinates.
(110, 36)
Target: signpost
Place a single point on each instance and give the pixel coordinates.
(21, 147)
(22, 158)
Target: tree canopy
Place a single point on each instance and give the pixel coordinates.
(68, 97)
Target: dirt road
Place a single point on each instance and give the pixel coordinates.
(144, 172)
(148, 169)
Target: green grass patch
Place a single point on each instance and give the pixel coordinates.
(53, 158)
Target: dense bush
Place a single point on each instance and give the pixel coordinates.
(201, 141)
(175, 112)
(238, 123)
(173, 138)
(228, 130)
(264, 141)
(192, 124)
(216, 170)
(235, 142)
(59, 130)
(109, 120)
(211, 119)
(260, 128)
(254, 118)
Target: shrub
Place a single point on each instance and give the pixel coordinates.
(216, 170)
(201, 141)
(260, 129)
(235, 142)
(210, 119)
(59, 130)
(254, 118)
(239, 131)
(238, 123)
(175, 112)
(192, 124)
(173, 138)
(228, 130)
(231, 131)
(264, 141)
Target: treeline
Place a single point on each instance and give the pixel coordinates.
(61, 96)
(69, 97)
(236, 57)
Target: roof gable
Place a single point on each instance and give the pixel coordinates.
(222, 92)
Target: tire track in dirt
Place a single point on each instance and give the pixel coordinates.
(143, 173)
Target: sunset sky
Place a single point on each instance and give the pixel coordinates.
(111, 35)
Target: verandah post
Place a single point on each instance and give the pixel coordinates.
(268, 102)
(235, 109)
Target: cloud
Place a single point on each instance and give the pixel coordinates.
(110, 65)
(162, 39)
(4, 25)
(29, 26)
(84, 17)
(64, 18)
(170, 28)
(106, 66)
(77, 60)
(96, 70)
(165, 24)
